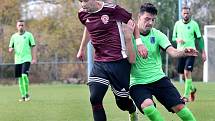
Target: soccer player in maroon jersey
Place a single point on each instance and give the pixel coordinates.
(103, 26)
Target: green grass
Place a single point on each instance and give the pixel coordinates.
(71, 103)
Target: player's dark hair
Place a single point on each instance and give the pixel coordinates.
(20, 20)
(185, 7)
(148, 7)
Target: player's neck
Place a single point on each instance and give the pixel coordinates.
(144, 33)
(97, 7)
(186, 21)
(21, 32)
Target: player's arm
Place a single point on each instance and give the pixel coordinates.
(181, 53)
(140, 46)
(201, 46)
(124, 16)
(175, 36)
(84, 41)
(34, 54)
(11, 45)
(200, 40)
(128, 31)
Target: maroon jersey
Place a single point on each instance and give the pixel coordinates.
(104, 27)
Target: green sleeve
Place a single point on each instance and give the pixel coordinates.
(197, 31)
(11, 44)
(32, 41)
(199, 37)
(174, 34)
(164, 41)
(201, 43)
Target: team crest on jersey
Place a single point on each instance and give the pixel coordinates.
(105, 19)
(188, 27)
(152, 40)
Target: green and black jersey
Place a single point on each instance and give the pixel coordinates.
(22, 46)
(188, 32)
(149, 70)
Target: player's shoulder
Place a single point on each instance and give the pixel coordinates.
(14, 35)
(28, 33)
(179, 22)
(109, 5)
(154, 30)
(194, 22)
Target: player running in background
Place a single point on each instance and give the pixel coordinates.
(23, 45)
(147, 76)
(103, 23)
(185, 32)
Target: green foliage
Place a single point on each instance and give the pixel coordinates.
(9, 11)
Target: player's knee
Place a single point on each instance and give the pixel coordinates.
(178, 107)
(146, 103)
(94, 100)
(124, 103)
(187, 74)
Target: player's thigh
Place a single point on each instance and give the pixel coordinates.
(26, 67)
(18, 70)
(97, 92)
(119, 75)
(190, 63)
(181, 65)
(139, 93)
(167, 94)
(98, 74)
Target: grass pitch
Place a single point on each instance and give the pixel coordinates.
(71, 103)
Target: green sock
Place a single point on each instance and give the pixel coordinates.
(186, 115)
(21, 86)
(152, 113)
(188, 85)
(26, 82)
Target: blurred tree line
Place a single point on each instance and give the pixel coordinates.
(60, 34)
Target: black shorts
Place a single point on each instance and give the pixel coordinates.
(22, 69)
(163, 90)
(116, 74)
(185, 63)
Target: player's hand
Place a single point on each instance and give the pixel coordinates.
(180, 41)
(34, 61)
(142, 50)
(190, 52)
(131, 25)
(204, 56)
(80, 55)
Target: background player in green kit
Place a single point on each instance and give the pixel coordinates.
(185, 32)
(23, 45)
(147, 76)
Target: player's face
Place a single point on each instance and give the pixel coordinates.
(88, 5)
(146, 21)
(186, 14)
(20, 26)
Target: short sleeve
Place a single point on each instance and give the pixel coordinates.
(197, 31)
(174, 34)
(11, 44)
(121, 14)
(32, 40)
(163, 41)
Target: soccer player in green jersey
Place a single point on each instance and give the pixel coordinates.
(147, 76)
(185, 32)
(23, 45)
